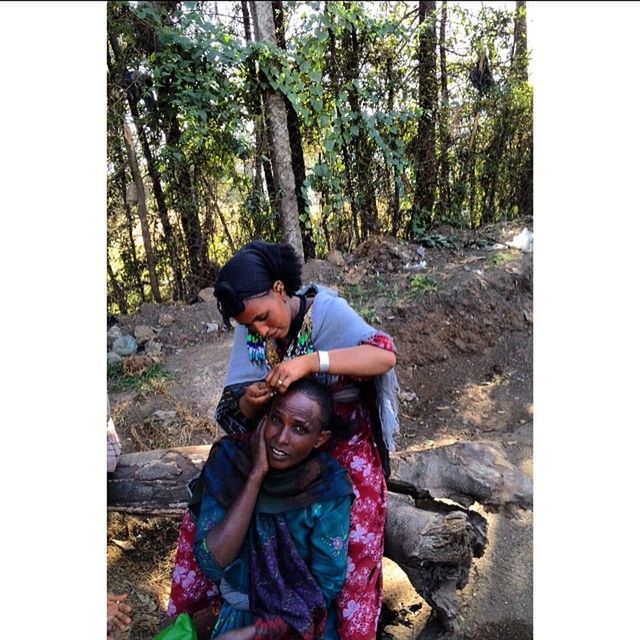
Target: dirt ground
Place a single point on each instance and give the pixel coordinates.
(460, 309)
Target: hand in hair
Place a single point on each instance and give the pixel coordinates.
(255, 399)
(286, 373)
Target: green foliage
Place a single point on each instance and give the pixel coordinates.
(153, 377)
(421, 285)
(350, 73)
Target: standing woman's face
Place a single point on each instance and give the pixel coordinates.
(269, 315)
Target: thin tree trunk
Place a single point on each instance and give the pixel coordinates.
(295, 137)
(254, 106)
(425, 159)
(445, 138)
(333, 75)
(279, 138)
(118, 291)
(142, 213)
(363, 151)
(214, 202)
(519, 56)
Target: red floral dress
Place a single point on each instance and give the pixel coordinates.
(359, 602)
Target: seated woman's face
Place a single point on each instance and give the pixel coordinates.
(293, 430)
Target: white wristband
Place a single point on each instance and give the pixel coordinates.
(323, 356)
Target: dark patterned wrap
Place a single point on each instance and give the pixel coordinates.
(284, 596)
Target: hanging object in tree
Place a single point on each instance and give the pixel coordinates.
(480, 75)
(132, 193)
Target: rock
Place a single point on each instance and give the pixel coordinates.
(113, 358)
(206, 295)
(165, 320)
(153, 348)
(164, 417)
(112, 335)
(407, 396)
(114, 332)
(125, 346)
(212, 327)
(143, 333)
(335, 258)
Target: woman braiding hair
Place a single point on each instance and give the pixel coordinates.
(287, 332)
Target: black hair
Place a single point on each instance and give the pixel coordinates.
(251, 271)
(321, 394)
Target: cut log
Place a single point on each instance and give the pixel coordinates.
(465, 472)
(155, 482)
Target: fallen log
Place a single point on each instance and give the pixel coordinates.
(434, 542)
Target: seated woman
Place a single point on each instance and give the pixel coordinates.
(274, 521)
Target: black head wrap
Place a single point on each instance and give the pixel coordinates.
(252, 271)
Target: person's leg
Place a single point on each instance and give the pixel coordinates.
(191, 590)
(359, 602)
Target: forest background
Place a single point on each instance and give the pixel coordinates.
(54, 201)
(338, 120)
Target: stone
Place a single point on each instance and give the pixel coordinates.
(206, 295)
(212, 327)
(165, 320)
(125, 346)
(143, 333)
(113, 358)
(153, 348)
(112, 334)
(335, 258)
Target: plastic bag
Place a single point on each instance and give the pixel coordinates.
(180, 629)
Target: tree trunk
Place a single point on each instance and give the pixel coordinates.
(362, 147)
(118, 291)
(426, 166)
(445, 138)
(519, 56)
(214, 202)
(332, 64)
(295, 137)
(279, 139)
(142, 213)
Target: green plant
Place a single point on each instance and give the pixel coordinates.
(422, 284)
(151, 378)
(500, 259)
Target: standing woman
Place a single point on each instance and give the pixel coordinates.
(287, 332)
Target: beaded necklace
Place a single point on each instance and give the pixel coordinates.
(261, 350)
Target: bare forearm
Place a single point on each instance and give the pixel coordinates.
(225, 540)
(363, 360)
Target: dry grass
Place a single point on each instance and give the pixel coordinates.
(140, 554)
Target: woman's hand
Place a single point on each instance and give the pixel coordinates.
(287, 372)
(255, 399)
(259, 451)
(117, 613)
